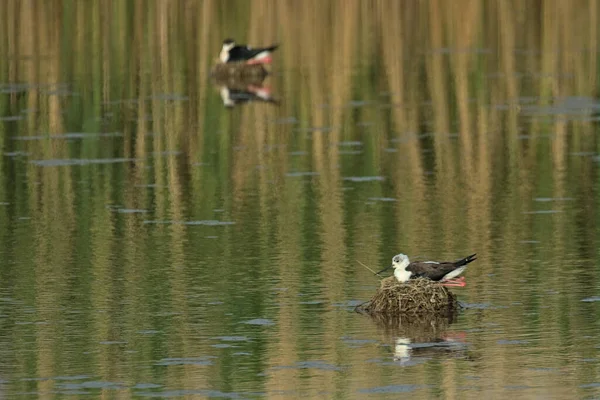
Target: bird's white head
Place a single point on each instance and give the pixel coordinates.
(400, 261)
(228, 44)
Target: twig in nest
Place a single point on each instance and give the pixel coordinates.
(374, 273)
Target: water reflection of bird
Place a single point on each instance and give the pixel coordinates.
(242, 53)
(235, 96)
(406, 349)
(445, 271)
(402, 350)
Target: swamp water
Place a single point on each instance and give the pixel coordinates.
(156, 243)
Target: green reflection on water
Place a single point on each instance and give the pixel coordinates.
(141, 221)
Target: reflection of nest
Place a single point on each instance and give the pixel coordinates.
(238, 71)
(419, 328)
(418, 297)
(236, 90)
(237, 83)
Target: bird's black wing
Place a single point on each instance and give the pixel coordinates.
(433, 271)
(243, 53)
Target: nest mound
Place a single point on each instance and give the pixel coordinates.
(415, 297)
(238, 71)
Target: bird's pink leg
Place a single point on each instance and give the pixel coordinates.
(264, 60)
(454, 284)
(457, 282)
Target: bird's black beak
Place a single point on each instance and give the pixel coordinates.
(385, 269)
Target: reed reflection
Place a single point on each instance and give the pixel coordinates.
(417, 126)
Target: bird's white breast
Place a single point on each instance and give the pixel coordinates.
(224, 55)
(402, 275)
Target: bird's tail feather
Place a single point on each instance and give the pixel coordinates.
(466, 260)
(272, 48)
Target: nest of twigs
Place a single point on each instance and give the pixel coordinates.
(238, 71)
(415, 297)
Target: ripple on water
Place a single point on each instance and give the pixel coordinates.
(207, 360)
(350, 143)
(355, 343)
(320, 365)
(364, 178)
(223, 345)
(311, 302)
(131, 211)
(259, 321)
(91, 385)
(111, 342)
(16, 153)
(591, 299)
(146, 386)
(393, 389)
(383, 199)
(286, 121)
(350, 152)
(55, 378)
(148, 332)
(72, 135)
(300, 173)
(232, 338)
(77, 161)
(476, 306)
(510, 342)
(315, 129)
(547, 199)
(350, 304)
(201, 392)
(201, 222)
(542, 212)
(590, 385)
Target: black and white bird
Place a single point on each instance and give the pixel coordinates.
(242, 53)
(406, 348)
(444, 271)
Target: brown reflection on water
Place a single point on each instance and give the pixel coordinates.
(433, 128)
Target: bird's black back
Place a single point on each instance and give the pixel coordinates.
(243, 53)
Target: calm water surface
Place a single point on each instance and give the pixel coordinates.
(155, 243)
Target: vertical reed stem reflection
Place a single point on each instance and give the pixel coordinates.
(429, 128)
